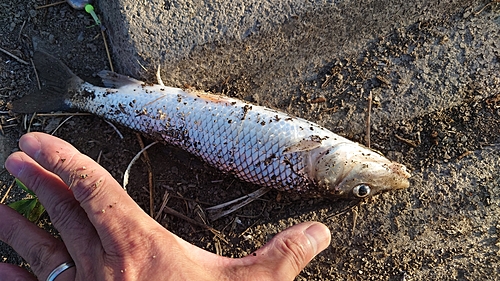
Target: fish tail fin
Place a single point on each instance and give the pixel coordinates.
(58, 85)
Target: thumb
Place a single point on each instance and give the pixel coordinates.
(291, 250)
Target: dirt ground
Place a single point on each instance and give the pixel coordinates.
(446, 226)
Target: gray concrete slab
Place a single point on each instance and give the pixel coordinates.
(281, 50)
(417, 58)
(432, 67)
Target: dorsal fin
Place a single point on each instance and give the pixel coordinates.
(112, 79)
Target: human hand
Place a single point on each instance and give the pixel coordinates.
(109, 237)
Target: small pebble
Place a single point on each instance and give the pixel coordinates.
(92, 47)
(80, 37)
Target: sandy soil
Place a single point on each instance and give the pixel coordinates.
(437, 110)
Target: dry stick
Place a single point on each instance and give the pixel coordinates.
(480, 11)
(99, 157)
(25, 119)
(127, 171)
(114, 127)
(14, 56)
(8, 126)
(49, 5)
(7, 193)
(354, 218)
(62, 123)
(166, 196)
(63, 114)
(173, 212)
(31, 122)
(407, 141)
(150, 176)
(36, 75)
(20, 31)
(107, 50)
(368, 114)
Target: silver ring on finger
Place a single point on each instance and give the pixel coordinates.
(60, 269)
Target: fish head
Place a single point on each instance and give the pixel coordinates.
(360, 172)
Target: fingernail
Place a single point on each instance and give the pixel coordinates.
(30, 145)
(14, 164)
(319, 236)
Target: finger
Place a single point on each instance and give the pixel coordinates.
(42, 251)
(98, 193)
(14, 272)
(65, 212)
(290, 251)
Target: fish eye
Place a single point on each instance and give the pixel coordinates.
(361, 190)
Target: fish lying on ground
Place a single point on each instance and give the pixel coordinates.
(256, 144)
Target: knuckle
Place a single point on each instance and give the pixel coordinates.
(62, 213)
(39, 254)
(11, 233)
(35, 182)
(79, 173)
(294, 252)
(86, 187)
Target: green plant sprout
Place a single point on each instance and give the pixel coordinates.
(30, 208)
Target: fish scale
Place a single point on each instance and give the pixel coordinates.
(247, 141)
(259, 145)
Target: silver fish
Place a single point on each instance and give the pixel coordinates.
(256, 144)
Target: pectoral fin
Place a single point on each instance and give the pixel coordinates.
(303, 145)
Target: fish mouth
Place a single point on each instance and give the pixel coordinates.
(403, 175)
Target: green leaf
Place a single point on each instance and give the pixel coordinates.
(32, 209)
(21, 185)
(36, 212)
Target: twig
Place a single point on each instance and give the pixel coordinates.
(8, 126)
(127, 171)
(49, 5)
(485, 6)
(63, 114)
(150, 176)
(20, 31)
(8, 191)
(354, 218)
(99, 157)
(14, 56)
(31, 122)
(158, 77)
(217, 212)
(407, 141)
(114, 127)
(142, 66)
(166, 196)
(173, 212)
(468, 152)
(60, 125)
(368, 115)
(107, 49)
(352, 204)
(36, 74)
